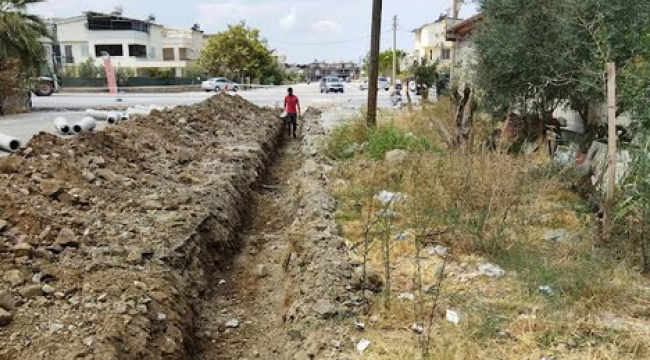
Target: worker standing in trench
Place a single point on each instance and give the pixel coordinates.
(292, 108)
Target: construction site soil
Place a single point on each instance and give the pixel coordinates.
(121, 244)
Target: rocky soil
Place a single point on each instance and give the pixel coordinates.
(290, 295)
(107, 239)
(124, 244)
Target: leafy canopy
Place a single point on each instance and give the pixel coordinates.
(238, 51)
(20, 32)
(536, 55)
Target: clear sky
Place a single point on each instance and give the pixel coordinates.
(304, 30)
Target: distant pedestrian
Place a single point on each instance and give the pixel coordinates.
(292, 108)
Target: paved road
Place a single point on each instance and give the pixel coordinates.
(70, 106)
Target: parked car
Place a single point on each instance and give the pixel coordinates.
(331, 84)
(363, 85)
(218, 84)
(384, 83)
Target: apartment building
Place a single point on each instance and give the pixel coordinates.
(431, 41)
(345, 70)
(132, 43)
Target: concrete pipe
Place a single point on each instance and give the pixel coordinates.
(113, 118)
(61, 125)
(9, 143)
(124, 116)
(86, 124)
(140, 112)
(100, 115)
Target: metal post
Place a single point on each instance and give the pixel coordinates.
(374, 63)
(394, 50)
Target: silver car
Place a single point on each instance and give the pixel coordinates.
(384, 83)
(218, 84)
(331, 84)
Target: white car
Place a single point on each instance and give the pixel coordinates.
(331, 84)
(219, 84)
(364, 85)
(384, 83)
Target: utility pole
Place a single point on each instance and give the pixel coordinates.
(373, 75)
(394, 50)
(455, 10)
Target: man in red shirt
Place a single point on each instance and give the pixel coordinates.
(292, 108)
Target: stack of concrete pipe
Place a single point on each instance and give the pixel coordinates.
(9, 143)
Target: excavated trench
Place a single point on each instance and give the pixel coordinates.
(287, 293)
(237, 318)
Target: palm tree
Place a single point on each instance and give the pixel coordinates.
(21, 33)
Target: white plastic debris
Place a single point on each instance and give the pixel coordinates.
(359, 325)
(232, 324)
(546, 290)
(222, 282)
(400, 237)
(438, 250)
(453, 317)
(406, 297)
(363, 345)
(387, 198)
(417, 328)
(387, 214)
(491, 270)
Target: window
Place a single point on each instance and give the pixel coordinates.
(112, 50)
(168, 54)
(68, 59)
(139, 51)
(446, 54)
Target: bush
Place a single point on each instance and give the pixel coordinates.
(387, 138)
(346, 139)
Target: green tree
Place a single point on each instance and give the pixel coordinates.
(21, 33)
(536, 55)
(386, 62)
(519, 57)
(236, 52)
(426, 76)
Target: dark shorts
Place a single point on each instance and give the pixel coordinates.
(292, 119)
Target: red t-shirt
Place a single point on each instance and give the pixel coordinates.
(291, 102)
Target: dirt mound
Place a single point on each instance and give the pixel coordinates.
(106, 238)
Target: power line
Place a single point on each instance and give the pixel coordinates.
(323, 43)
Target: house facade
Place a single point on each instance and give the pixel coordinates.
(460, 35)
(137, 44)
(431, 42)
(345, 70)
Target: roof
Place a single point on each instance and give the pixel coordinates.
(85, 15)
(464, 27)
(439, 20)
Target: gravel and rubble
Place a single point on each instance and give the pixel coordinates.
(108, 239)
(291, 289)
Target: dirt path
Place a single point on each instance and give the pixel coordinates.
(251, 294)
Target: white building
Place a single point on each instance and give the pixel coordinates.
(465, 59)
(431, 41)
(137, 44)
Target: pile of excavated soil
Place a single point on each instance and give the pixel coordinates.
(106, 239)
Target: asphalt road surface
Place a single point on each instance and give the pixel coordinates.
(71, 106)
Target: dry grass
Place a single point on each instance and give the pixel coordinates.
(490, 207)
